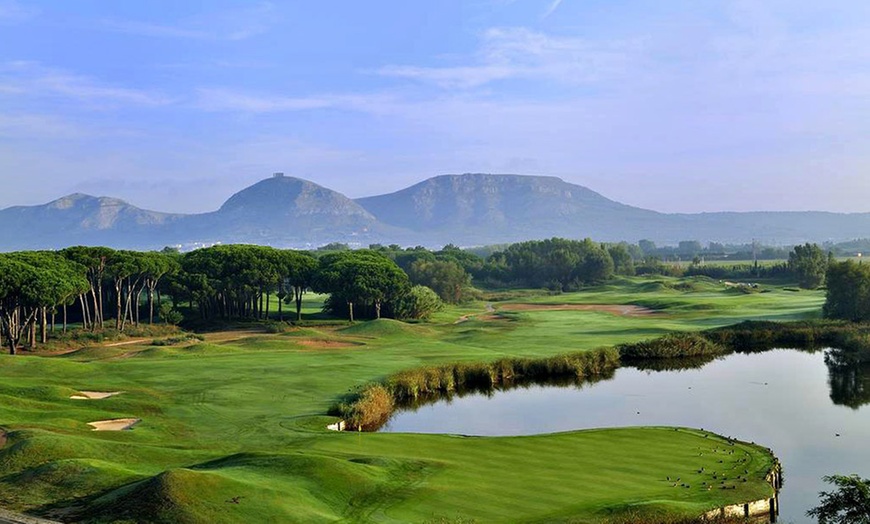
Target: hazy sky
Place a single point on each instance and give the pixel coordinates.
(666, 104)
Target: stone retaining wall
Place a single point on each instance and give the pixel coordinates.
(765, 510)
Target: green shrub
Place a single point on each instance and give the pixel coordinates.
(676, 345)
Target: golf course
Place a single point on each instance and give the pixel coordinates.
(231, 426)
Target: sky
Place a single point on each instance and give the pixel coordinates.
(677, 105)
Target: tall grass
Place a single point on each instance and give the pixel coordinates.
(753, 336)
(372, 405)
(674, 345)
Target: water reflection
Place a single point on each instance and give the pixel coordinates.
(806, 405)
(849, 379)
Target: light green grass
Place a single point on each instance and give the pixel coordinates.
(246, 419)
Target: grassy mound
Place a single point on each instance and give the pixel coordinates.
(259, 488)
(74, 478)
(383, 327)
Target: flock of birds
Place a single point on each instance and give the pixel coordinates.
(716, 476)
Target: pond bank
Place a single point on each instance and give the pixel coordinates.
(761, 511)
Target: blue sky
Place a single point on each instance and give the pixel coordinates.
(678, 106)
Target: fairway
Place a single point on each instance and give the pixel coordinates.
(233, 428)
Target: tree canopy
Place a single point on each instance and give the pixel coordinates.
(848, 293)
(809, 264)
(360, 277)
(848, 504)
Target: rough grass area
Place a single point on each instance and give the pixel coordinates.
(677, 345)
(233, 427)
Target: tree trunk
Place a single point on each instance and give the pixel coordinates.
(53, 318)
(350, 310)
(31, 333)
(137, 304)
(268, 297)
(297, 291)
(118, 287)
(64, 319)
(377, 309)
(84, 311)
(280, 314)
(95, 321)
(100, 311)
(43, 325)
(150, 305)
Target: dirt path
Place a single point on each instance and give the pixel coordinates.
(465, 318)
(233, 335)
(126, 342)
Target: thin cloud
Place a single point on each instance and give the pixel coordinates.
(153, 30)
(520, 53)
(32, 79)
(14, 12)
(18, 126)
(551, 8)
(233, 25)
(221, 99)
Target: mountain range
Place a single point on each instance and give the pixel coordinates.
(468, 209)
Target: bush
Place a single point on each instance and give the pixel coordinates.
(169, 315)
(677, 345)
(369, 410)
(419, 303)
(273, 326)
(180, 339)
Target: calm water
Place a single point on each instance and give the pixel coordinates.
(781, 399)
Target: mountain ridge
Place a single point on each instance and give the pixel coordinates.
(467, 209)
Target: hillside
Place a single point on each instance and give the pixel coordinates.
(283, 210)
(81, 219)
(495, 208)
(469, 209)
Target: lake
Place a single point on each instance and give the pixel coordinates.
(780, 398)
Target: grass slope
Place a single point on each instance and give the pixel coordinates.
(233, 427)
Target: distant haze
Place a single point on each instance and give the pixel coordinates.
(678, 106)
(467, 209)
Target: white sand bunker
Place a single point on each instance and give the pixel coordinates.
(95, 395)
(118, 424)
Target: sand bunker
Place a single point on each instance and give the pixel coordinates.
(94, 395)
(118, 424)
(616, 309)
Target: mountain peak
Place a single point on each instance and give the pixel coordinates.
(82, 199)
(289, 196)
(494, 202)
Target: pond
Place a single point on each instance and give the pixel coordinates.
(810, 410)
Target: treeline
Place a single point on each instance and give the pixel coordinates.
(37, 285)
(239, 281)
(103, 288)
